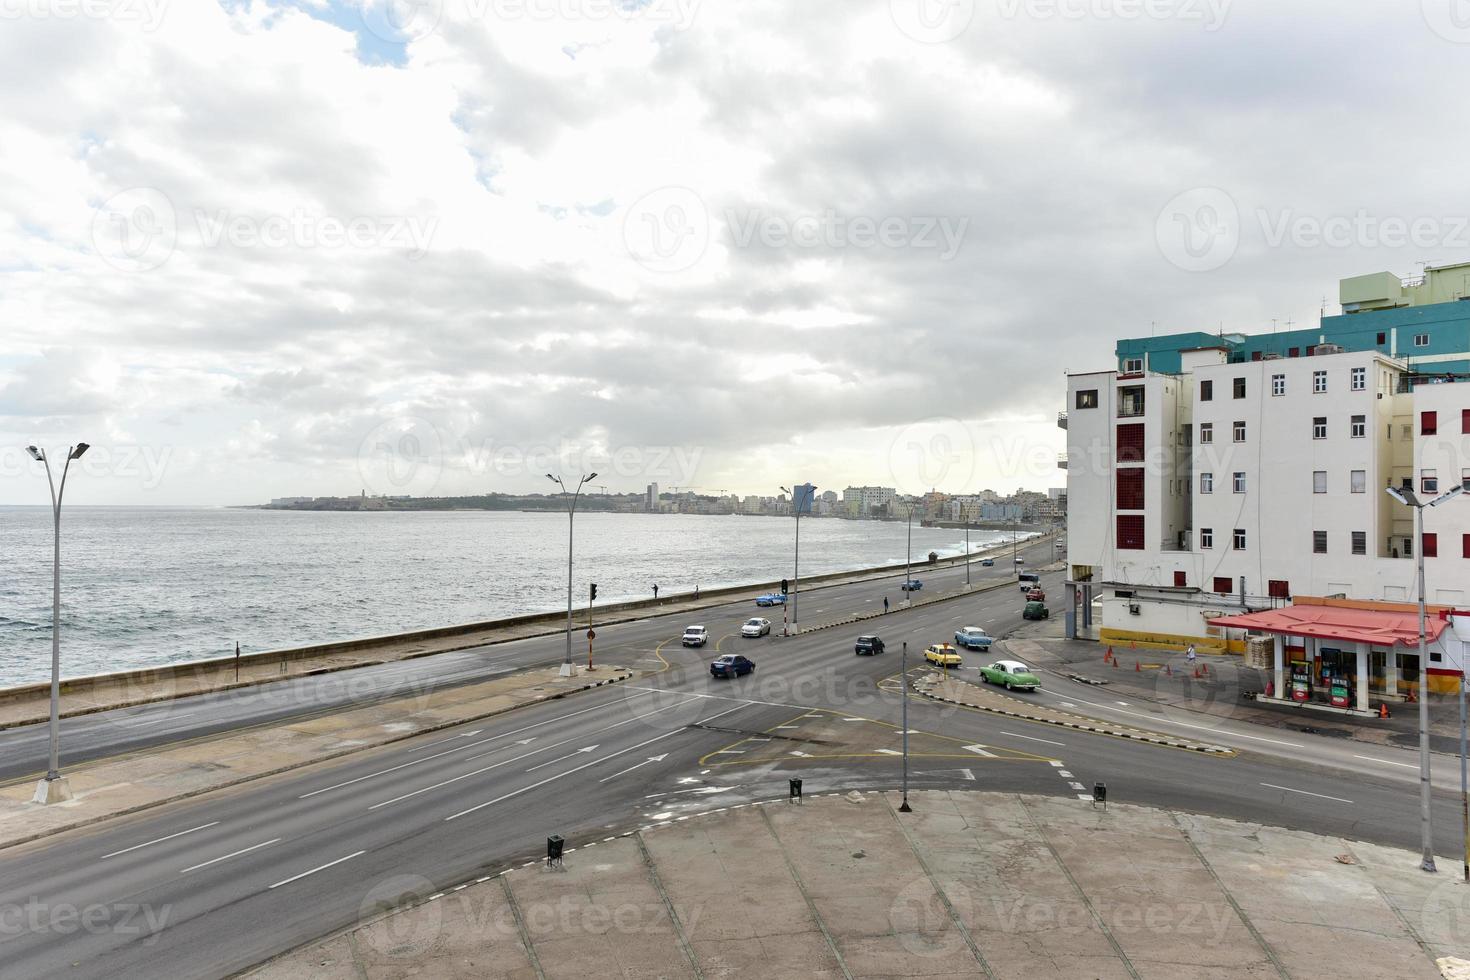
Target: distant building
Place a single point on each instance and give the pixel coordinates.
(869, 500)
(290, 501)
(650, 501)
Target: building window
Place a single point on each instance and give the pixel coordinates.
(1382, 339)
(1206, 433)
(1207, 483)
(1465, 478)
(1278, 384)
(1239, 432)
(1180, 581)
(1359, 378)
(1407, 432)
(1319, 542)
(1319, 481)
(1428, 423)
(1206, 391)
(1319, 382)
(1237, 483)
(1360, 542)
(1358, 481)
(1239, 542)
(1421, 340)
(1087, 398)
(1206, 537)
(1278, 589)
(1408, 547)
(1130, 488)
(1429, 481)
(1130, 401)
(1130, 443)
(1130, 532)
(1431, 545)
(1319, 427)
(1465, 546)
(1360, 426)
(1239, 388)
(1132, 365)
(1223, 585)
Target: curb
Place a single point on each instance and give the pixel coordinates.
(1076, 726)
(307, 762)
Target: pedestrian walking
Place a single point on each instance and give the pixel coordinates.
(696, 593)
(1189, 654)
(655, 592)
(885, 605)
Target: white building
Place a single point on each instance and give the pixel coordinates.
(868, 500)
(1234, 480)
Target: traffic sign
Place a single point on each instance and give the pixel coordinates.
(591, 634)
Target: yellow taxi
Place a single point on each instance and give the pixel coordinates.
(942, 655)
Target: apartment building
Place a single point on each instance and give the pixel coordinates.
(1213, 478)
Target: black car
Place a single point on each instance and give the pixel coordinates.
(731, 665)
(868, 645)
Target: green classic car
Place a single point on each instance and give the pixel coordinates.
(1035, 610)
(1011, 673)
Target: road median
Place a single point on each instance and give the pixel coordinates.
(111, 788)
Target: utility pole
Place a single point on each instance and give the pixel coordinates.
(903, 676)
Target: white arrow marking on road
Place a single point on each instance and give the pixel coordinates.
(980, 750)
(801, 754)
(968, 775)
(526, 741)
(1032, 738)
(569, 755)
(652, 758)
(890, 752)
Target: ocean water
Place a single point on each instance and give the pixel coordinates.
(144, 586)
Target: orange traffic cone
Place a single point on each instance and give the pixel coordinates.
(1382, 710)
(1204, 668)
(1136, 668)
(1108, 656)
(1115, 663)
(1270, 686)
(1169, 669)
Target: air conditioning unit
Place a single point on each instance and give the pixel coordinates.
(1328, 349)
(1270, 357)
(1134, 609)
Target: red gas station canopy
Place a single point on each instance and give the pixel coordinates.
(1375, 626)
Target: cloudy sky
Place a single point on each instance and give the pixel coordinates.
(256, 249)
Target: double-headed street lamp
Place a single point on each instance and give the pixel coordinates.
(54, 788)
(571, 496)
(810, 491)
(1406, 496)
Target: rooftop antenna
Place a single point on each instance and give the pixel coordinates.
(1289, 322)
(1273, 324)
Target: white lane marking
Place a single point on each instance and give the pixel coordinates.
(467, 745)
(1406, 765)
(506, 762)
(226, 857)
(1203, 728)
(549, 779)
(979, 750)
(1084, 797)
(315, 870)
(159, 840)
(720, 697)
(1123, 703)
(1335, 799)
(968, 775)
(652, 758)
(589, 748)
(1077, 786)
(890, 752)
(1064, 774)
(1032, 738)
(1067, 704)
(1057, 763)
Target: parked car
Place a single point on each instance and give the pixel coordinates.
(1035, 610)
(912, 585)
(1036, 595)
(771, 599)
(942, 655)
(731, 665)
(1011, 673)
(755, 626)
(695, 636)
(987, 562)
(1020, 560)
(867, 645)
(972, 638)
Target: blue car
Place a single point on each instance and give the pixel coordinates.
(987, 562)
(731, 665)
(771, 599)
(912, 585)
(972, 638)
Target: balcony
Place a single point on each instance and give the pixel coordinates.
(1061, 461)
(1130, 402)
(1061, 420)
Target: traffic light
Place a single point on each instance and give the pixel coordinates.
(784, 589)
(594, 591)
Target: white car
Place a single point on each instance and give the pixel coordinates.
(695, 636)
(755, 626)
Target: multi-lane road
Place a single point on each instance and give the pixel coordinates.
(215, 884)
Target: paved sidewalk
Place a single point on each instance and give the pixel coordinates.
(969, 884)
(1166, 678)
(111, 788)
(973, 692)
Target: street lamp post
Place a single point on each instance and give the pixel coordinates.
(811, 491)
(1406, 496)
(967, 551)
(566, 666)
(908, 559)
(54, 787)
(903, 676)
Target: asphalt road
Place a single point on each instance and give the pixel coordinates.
(23, 751)
(213, 885)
